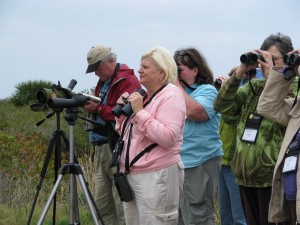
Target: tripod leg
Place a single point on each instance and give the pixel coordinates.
(87, 192)
(74, 211)
(92, 199)
(89, 201)
(57, 165)
(43, 173)
(50, 200)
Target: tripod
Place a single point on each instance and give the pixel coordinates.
(55, 144)
(74, 170)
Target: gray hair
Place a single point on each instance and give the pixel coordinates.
(112, 55)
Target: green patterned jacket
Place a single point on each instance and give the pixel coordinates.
(228, 137)
(252, 164)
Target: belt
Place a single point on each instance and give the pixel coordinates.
(99, 143)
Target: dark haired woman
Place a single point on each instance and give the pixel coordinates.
(201, 148)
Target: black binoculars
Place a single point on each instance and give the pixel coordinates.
(126, 109)
(218, 83)
(291, 59)
(251, 58)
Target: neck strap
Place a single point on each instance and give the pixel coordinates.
(147, 149)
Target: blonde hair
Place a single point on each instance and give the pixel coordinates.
(164, 61)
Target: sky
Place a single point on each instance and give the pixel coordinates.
(49, 40)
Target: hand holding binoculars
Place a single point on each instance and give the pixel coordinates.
(126, 109)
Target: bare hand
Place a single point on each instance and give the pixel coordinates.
(90, 106)
(122, 100)
(267, 64)
(136, 101)
(224, 80)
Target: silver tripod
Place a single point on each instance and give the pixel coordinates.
(75, 171)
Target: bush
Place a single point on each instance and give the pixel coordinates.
(26, 92)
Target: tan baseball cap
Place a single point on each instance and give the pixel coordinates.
(95, 55)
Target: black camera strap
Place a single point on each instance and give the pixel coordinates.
(145, 150)
(187, 85)
(116, 153)
(138, 156)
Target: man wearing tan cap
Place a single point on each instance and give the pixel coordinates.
(114, 79)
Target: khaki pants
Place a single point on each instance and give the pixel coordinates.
(156, 197)
(106, 196)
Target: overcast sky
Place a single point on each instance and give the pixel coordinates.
(49, 40)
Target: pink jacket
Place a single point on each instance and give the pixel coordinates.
(162, 122)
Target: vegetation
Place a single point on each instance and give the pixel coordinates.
(23, 148)
(26, 91)
(25, 137)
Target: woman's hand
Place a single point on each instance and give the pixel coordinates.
(267, 64)
(224, 80)
(136, 101)
(122, 100)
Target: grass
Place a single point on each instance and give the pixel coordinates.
(20, 195)
(17, 216)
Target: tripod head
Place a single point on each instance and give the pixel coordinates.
(71, 115)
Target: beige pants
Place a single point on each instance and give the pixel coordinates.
(106, 196)
(156, 197)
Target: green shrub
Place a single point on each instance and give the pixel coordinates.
(26, 92)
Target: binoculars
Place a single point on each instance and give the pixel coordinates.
(218, 83)
(291, 59)
(251, 58)
(126, 109)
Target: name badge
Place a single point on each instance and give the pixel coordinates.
(290, 164)
(251, 128)
(249, 135)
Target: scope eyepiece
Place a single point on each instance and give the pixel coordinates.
(71, 85)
